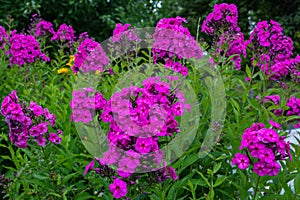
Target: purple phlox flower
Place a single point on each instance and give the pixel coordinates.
(118, 188)
(241, 160)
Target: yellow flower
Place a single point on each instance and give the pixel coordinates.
(97, 72)
(63, 70)
(71, 61)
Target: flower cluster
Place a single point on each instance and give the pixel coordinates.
(173, 41)
(138, 117)
(24, 49)
(273, 50)
(64, 33)
(223, 19)
(84, 103)
(121, 31)
(90, 57)
(3, 37)
(230, 44)
(43, 28)
(293, 107)
(146, 112)
(263, 148)
(228, 38)
(119, 186)
(28, 121)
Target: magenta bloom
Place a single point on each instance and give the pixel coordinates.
(260, 168)
(24, 49)
(143, 145)
(255, 148)
(268, 135)
(53, 137)
(172, 173)
(64, 33)
(274, 124)
(241, 160)
(3, 37)
(274, 168)
(118, 188)
(36, 109)
(26, 122)
(88, 167)
(43, 28)
(41, 140)
(266, 155)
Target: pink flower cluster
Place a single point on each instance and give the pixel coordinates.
(223, 19)
(232, 44)
(28, 121)
(292, 103)
(119, 186)
(121, 31)
(64, 33)
(273, 50)
(222, 25)
(138, 117)
(90, 57)
(3, 37)
(43, 28)
(173, 41)
(263, 148)
(84, 104)
(24, 49)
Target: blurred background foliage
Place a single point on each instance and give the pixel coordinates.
(98, 17)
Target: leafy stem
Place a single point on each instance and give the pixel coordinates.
(256, 188)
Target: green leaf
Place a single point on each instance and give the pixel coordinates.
(219, 181)
(191, 158)
(211, 194)
(297, 184)
(248, 71)
(6, 157)
(54, 194)
(203, 177)
(217, 167)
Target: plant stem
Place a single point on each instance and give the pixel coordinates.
(256, 187)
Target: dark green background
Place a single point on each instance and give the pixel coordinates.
(98, 17)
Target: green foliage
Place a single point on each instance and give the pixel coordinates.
(56, 171)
